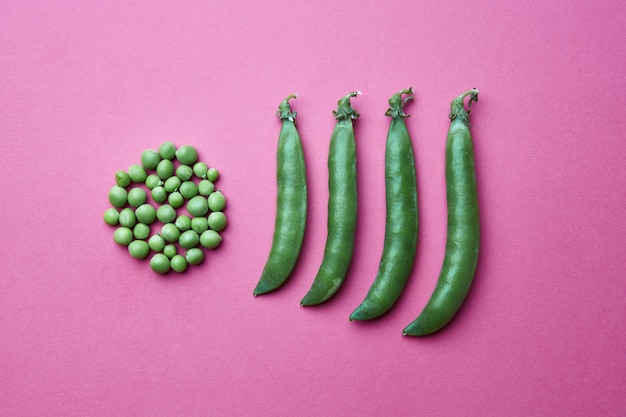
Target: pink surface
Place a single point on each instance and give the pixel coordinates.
(87, 331)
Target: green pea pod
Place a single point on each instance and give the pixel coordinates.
(291, 204)
(342, 206)
(462, 243)
(401, 217)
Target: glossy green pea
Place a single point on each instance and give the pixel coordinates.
(122, 179)
(198, 206)
(141, 231)
(200, 169)
(118, 196)
(183, 222)
(165, 169)
(210, 239)
(194, 256)
(167, 150)
(138, 249)
(172, 184)
(188, 189)
(205, 187)
(170, 232)
(217, 221)
(137, 196)
(157, 243)
(184, 172)
(188, 239)
(160, 263)
(342, 206)
(123, 236)
(291, 204)
(213, 174)
(199, 224)
(401, 226)
(146, 213)
(111, 216)
(150, 159)
(170, 250)
(178, 263)
(217, 201)
(137, 173)
(153, 181)
(463, 228)
(176, 199)
(166, 213)
(159, 194)
(127, 217)
(187, 155)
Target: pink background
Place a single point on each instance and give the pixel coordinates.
(85, 330)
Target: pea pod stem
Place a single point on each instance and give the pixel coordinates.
(291, 204)
(401, 226)
(463, 234)
(342, 206)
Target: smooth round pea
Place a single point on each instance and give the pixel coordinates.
(139, 249)
(145, 213)
(150, 159)
(178, 263)
(170, 250)
(172, 184)
(188, 189)
(122, 179)
(141, 231)
(188, 239)
(170, 232)
(159, 194)
(205, 187)
(198, 206)
(137, 173)
(118, 196)
(176, 199)
(166, 213)
(210, 239)
(200, 169)
(111, 216)
(156, 243)
(127, 217)
(184, 172)
(165, 169)
(137, 196)
(183, 222)
(200, 224)
(160, 263)
(123, 236)
(194, 256)
(153, 181)
(167, 150)
(217, 221)
(216, 201)
(187, 155)
(212, 174)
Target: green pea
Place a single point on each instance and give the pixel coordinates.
(183, 222)
(194, 256)
(139, 249)
(137, 196)
(122, 179)
(212, 174)
(159, 194)
(166, 213)
(176, 199)
(156, 243)
(153, 181)
(188, 189)
(170, 232)
(170, 250)
(111, 216)
(217, 221)
(200, 169)
(210, 239)
(165, 169)
(187, 155)
(141, 231)
(188, 239)
(184, 172)
(216, 201)
(137, 173)
(160, 263)
(127, 217)
(172, 184)
(178, 263)
(198, 206)
(118, 196)
(199, 224)
(146, 213)
(205, 187)
(150, 158)
(123, 236)
(167, 150)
